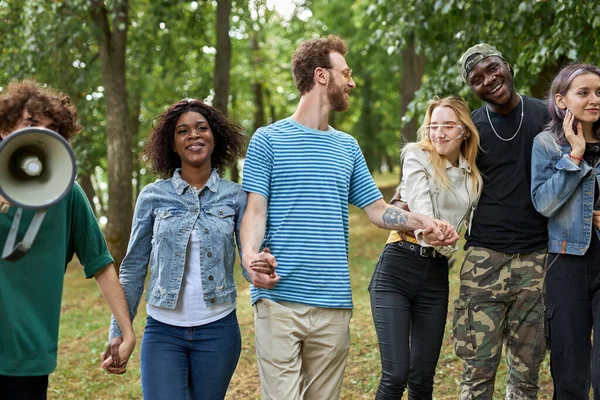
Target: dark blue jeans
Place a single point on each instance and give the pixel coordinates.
(409, 302)
(572, 310)
(189, 362)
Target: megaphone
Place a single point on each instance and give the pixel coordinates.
(37, 169)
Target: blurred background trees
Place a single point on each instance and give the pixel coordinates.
(124, 61)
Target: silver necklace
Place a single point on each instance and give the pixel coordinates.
(520, 123)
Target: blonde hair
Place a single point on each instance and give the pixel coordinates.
(468, 148)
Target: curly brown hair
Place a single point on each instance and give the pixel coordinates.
(312, 54)
(229, 139)
(38, 100)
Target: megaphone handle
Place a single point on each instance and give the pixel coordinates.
(14, 253)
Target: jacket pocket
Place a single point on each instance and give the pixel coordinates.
(462, 327)
(165, 222)
(222, 218)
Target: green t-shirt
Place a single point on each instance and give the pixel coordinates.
(31, 288)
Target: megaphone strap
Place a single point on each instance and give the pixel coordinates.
(12, 234)
(14, 253)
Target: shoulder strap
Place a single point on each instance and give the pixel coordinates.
(14, 253)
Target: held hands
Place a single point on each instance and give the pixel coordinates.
(116, 356)
(576, 139)
(435, 232)
(264, 263)
(261, 269)
(439, 233)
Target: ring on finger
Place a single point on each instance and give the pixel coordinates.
(4, 208)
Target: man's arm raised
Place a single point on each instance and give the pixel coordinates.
(259, 266)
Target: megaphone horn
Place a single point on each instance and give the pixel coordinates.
(37, 169)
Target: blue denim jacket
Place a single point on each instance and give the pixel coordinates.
(563, 192)
(165, 214)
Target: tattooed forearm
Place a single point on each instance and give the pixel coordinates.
(395, 217)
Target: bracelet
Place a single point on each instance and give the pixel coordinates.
(572, 157)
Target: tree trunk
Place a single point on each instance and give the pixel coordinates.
(257, 87)
(542, 83)
(259, 106)
(234, 170)
(223, 56)
(368, 126)
(272, 112)
(392, 162)
(112, 44)
(88, 188)
(222, 66)
(413, 67)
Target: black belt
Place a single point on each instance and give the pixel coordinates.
(428, 252)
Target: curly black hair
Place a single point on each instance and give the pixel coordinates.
(38, 100)
(229, 139)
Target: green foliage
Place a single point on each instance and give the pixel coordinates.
(531, 34)
(171, 55)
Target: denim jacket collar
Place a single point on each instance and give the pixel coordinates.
(180, 185)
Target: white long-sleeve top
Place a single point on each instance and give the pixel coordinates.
(425, 195)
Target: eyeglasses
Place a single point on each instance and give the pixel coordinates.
(449, 131)
(346, 72)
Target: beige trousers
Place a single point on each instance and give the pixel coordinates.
(301, 350)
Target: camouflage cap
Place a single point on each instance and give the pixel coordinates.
(474, 55)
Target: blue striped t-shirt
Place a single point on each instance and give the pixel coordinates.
(309, 177)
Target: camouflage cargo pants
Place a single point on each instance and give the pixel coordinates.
(500, 302)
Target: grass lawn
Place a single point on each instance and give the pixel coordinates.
(85, 320)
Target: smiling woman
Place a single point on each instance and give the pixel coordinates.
(565, 172)
(194, 143)
(409, 288)
(229, 142)
(184, 231)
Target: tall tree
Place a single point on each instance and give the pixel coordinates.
(110, 28)
(223, 64)
(223, 56)
(257, 86)
(413, 68)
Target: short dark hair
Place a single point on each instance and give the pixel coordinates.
(229, 139)
(312, 54)
(38, 100)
